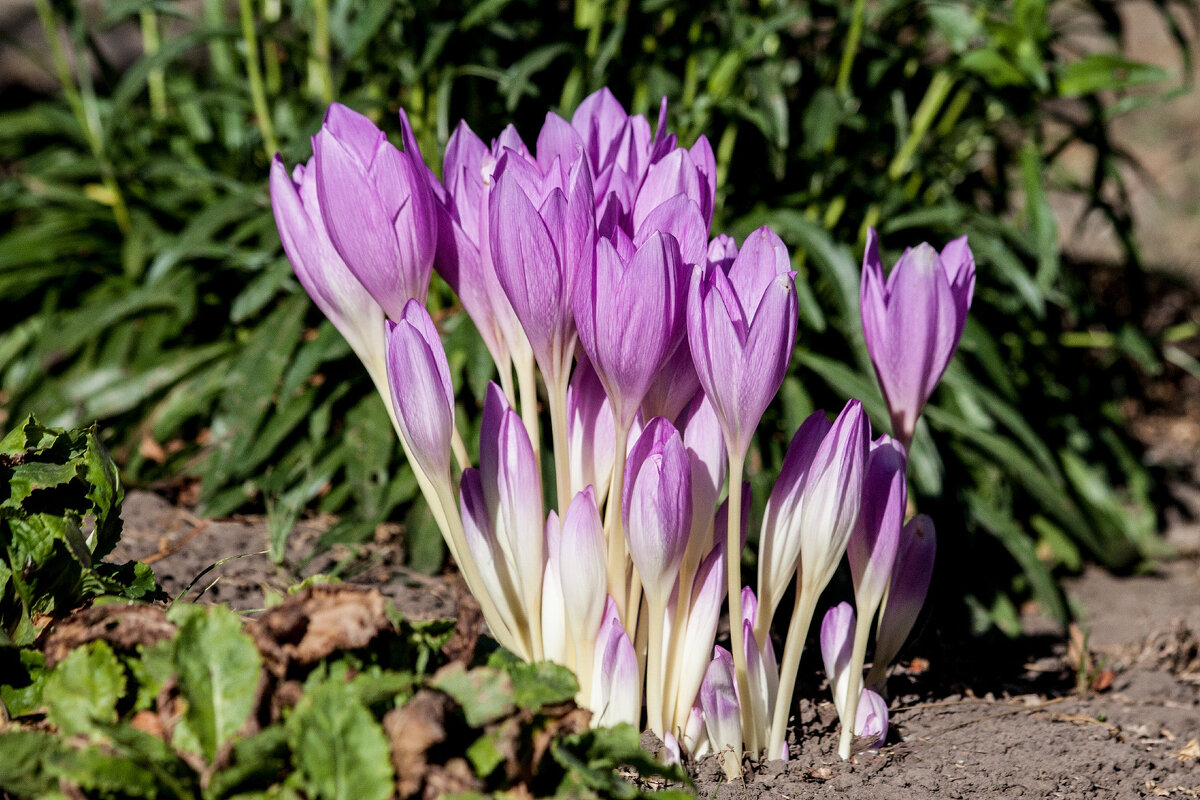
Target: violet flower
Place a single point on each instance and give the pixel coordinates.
(422, 394)
(377, 205)
(913, 321)
(837, 643)
(871, 721)
(906, 594)
(616, 683)
(718, 700)
(323, 273)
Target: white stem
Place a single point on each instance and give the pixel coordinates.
(793, 648)
(862, 629)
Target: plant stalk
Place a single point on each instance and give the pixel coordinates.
(733, 573)
(258, 93)
(793, 648)
(862, 630)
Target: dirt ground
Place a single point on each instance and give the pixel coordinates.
(988, 718)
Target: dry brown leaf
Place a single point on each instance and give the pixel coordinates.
(1189, 752)
(1103, 680)
(454, 778)
(467, 626)
(412, 729)
(572, 720)
(122, 626)
(323, 619)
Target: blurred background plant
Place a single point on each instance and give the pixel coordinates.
(142, 282)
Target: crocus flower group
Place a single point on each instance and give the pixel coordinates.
(588, 265)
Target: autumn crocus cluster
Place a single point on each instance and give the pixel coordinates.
(653, 348)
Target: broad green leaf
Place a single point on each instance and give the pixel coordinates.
(1105, 72)
(25, 768)
(84, 688)
(535, 685)
(485, 693)
(218, 667)
(339, 749)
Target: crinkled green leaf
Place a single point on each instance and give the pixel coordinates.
(485, 693)
(535, 685)
(218, 667)
(83, 689)
(339, 749)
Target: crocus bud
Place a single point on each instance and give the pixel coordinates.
(629, 313)
(912, 321)
(706, 454)
(422, 395)
(513, 492)
(657, 506)
(538, 253)
(694, 739)
(616, 685)
(719, 702)
(872, 547)
(762, 669)
(872, 719)
(906, 593)
(377, 205)
(708, 595)
(813, 508)
(837, 644)
(591, 435)
(485, 551)
(741, 329)
(322, 272)
(671, 755)
(582, 552)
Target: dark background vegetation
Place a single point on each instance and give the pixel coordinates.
(142, 283)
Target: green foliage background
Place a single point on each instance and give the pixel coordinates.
(142, 282)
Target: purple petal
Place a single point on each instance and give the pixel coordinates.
(910, 583)
(872, 547)
(419, 378)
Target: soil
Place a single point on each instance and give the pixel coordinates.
(1109, 709)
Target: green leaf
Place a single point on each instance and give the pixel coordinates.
(1105, 72)
(338, 747)
(535, 685)
(485, 693)
(25, 768)
(218, 667)
(83, 689)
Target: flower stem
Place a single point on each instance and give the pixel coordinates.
(320, 76)
(557, 391)
(527, 383)
(654, 666)
(850, 48)
(862, 629)
(733, 573)
(793, 648)
(615, 529)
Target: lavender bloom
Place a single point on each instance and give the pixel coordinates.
(421, 391)
(872, 546)
(708, 594)
(616, 685)
(556, 645)
(719, 703)
(913, 321)
(813, 508)
(872, 719)
(582, 550)
(837, 642)
(657, 506)
(377, 205)
(906, 593)
(539, 252)
(741, 329)
(321, 271)
(591, 432)
(629, 313)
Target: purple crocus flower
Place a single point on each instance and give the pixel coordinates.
(872, 547)
(708, 595)
(913, 321)
(582, 551)
(591, 435)
(616, 684)
(464, 254)
(539, 253)
(321, 271)
(629, 313)
(657, 506)
(906, 593)
(422, 394)
(718, 701)
(837, 642)
(741, 329)
(812, 510)
(377, 205)
(871, 722)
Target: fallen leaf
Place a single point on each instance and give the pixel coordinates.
(151, 450)
(1103, 680)
(322, 619)
(455, 777)
(124, 626)
(467, 627)
(412, 729)
(1189, 752)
